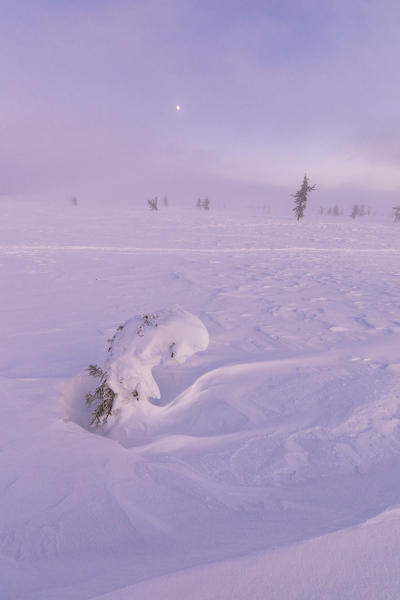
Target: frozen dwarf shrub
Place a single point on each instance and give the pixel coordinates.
(126, 382)
(103, 396)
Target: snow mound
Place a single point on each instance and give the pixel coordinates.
(143, 343)
(280, 422)
(166, 337)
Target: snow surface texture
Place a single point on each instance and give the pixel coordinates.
(269, 466)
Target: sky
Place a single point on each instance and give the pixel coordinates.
(268, 89)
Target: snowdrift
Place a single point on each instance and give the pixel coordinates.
(363, 559)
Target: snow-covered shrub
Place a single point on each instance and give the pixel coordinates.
(126, 383)
(103, 395)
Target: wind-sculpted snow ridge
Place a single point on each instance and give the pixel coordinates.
(268, 453)
(363, 559)
(281, 422)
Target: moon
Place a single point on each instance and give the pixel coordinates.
(178, 108)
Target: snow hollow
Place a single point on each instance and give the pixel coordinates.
(263, 461)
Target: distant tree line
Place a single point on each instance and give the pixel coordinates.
(360, 210)
(331, 210)
(202, 203)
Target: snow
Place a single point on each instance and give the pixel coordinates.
(317, 568)
(144, 342)
(262, 458)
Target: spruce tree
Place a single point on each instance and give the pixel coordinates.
(396, 213)
(300, 198)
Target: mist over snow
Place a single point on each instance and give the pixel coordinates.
(268, 90)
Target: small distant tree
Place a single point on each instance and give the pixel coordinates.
(165, 201)
(300, 198)
(335, 210)
(203, 203)
(74, 201)
(354, 211)
(329, 211)
(396, 213)
(321, 210)
(153, 203)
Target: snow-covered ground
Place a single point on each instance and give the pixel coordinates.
(269, 466)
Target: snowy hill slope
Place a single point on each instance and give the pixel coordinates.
(359, 563)
(283, 437)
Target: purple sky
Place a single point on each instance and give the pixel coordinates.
(268, 89)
